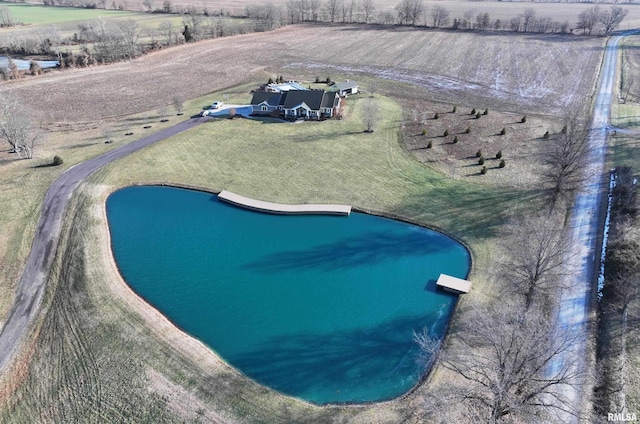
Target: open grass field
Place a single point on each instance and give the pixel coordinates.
(114, 362)
(117, 363)
(35, 15)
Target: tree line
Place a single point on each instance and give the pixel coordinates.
(407, 12)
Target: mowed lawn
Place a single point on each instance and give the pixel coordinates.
(115, 367)
(325, 162)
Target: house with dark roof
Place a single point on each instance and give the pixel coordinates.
(297, 104)
(267, 102)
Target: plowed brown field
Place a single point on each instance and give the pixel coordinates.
(528, 73)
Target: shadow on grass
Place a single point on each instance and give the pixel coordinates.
(627, 151)
(345, 366)
(366, 249)
(470, 211)
(44, 165)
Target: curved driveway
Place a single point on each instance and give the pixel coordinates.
(33, 281)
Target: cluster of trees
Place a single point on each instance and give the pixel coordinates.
(345, 11)
(37, 42)
(501, 359)
(603, 20)
(6, 19)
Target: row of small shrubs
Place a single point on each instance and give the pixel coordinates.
(503, 131)
(498, 155)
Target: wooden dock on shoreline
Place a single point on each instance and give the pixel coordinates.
(279, 208)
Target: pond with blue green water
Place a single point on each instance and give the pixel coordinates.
(322, 308)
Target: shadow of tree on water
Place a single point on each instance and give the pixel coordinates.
(365, 249)
(335, 367)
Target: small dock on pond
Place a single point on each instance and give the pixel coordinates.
(453, 284)
(279, 208)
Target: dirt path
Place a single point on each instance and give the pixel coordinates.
(32, 284)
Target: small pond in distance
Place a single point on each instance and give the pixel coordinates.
(322, 308)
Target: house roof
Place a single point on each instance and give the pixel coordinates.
(286, 86)
(346, 85)
(312, 98)
(272, 99)
(330, 100)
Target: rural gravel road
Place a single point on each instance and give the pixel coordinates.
(32, 284)
(584, 231)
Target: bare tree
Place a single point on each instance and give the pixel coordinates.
(467, 19)
(368, 9)
(292, 11)
(152, 33)
(527, 18)
(610, 19)
(538, 248)
(169, 32)
(192, 19)
(131, 33)
(351, 8)
(109, 47)
(17, 128)
(178, 105)
(566, 159)
(483, 21)
(439, 16)
(333, 7)
(314, 9)
(303, 8)
(370, 114)
(501, 357)
(6, 19)
(211, 27)
(148, 5)
(587, 19)
(515, 23)
(410, 11)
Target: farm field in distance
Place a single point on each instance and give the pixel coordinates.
(457, 8)
(173, 378)
(518, 73)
